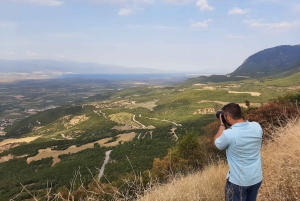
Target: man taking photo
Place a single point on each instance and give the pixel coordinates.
(242, 142)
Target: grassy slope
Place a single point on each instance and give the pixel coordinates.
(280, 167)
(292, 80)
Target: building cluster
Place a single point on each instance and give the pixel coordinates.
(4, 123)
(7, 122)
(41, 110)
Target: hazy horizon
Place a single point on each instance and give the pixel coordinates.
(180, 35)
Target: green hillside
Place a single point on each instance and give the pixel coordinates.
(152, 113)
(290, 81)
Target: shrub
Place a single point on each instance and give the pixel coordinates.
(275, 113)
(190, 154)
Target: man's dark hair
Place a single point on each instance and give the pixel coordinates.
(234, 110)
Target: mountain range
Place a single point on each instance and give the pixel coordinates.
(268, 62)
(271, 61)
(67, 67)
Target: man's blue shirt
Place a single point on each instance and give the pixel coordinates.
(242, 143)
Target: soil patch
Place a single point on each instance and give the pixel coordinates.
(48, 152)
(148, 105)
(19, 140)
(245, 92)
(9, 157)
(70, 121)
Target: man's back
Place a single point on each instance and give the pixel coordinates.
(242, 143)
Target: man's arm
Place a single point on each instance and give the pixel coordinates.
(220, 131)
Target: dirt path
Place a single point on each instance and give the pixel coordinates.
(172, 129)
(101, 171)
(99, 113)
(133, 119)
(148, 132)
(173, 133)
(174, 123)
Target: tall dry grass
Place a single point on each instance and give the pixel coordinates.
(281, 165)
(281, 169)
(206, 185)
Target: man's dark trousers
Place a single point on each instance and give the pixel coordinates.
(241, 193)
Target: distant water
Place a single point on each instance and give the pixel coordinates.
(127, 76)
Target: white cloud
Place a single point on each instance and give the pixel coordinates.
(250, 21)
(129, 10)
(233, 36)
(203, 4)
(297, 8)
(237, 11)
(32, 54)
(42, 2)
(59, 56)
(201, 24)
(125, 11)
(65, 35)
(107, 1)
(165, 27)
(11, 53)
(153, 27)
(271, 1)
(144, 1)
(177, 1)
(7, 24)
(278, 27)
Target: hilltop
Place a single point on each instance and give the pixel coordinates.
(271, 61)
(276, 62)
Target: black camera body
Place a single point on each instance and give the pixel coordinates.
(222, 116)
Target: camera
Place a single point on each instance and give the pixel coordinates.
(222, 116)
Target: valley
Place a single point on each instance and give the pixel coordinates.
(138, 123)
(50, 128)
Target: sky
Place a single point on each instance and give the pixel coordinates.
(175, 35)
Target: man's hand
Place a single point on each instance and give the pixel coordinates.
(220, 117)
(221, 129)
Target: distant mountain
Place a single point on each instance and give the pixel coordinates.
(271, 61)
(64, 67)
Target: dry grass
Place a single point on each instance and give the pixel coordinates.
(281, 167)
(206, 185)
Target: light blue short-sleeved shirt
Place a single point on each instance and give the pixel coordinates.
(242, 143)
